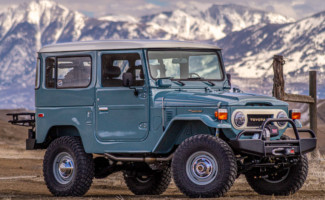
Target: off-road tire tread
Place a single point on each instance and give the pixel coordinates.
(228, 157)
(85, 170)
(299, 175)
(158, 187)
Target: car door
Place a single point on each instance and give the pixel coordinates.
(122, 113)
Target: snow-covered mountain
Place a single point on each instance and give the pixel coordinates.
(249, 52)
(214, 23)
(26, 27)
(23, 30)
(302, 43)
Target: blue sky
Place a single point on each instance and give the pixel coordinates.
(96, 8)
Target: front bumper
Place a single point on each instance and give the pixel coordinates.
(264, 147)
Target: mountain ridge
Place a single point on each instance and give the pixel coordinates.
(26, 27)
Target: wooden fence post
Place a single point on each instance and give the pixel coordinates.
(313, 106)
(278, 81)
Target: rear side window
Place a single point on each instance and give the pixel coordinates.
(68, 72)
(73, 72)
(114, 65)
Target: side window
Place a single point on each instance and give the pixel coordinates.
(114, 65)
(69, 72)
(50, 72)
(73, 72)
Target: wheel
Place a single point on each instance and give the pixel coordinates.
(280, 183)
(145, 181)
(68, 170)
(204, 166)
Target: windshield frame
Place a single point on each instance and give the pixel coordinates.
(216, 51)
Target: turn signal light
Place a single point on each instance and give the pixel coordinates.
(295, 114)
(222, 114)
(216, 114)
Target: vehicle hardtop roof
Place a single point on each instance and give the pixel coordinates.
(123, 44)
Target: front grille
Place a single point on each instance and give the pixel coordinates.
(257, 120)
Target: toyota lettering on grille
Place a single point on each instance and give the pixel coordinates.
(257, 120)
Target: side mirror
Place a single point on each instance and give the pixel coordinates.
(164, 82)
(229, 79)
(127, 79)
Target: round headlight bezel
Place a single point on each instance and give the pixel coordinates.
(239, 119)
(281, 115)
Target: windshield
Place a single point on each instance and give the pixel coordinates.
(185, 65)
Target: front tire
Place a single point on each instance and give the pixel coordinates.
(204, 166)
(282, 183)
(68, 170)
(145, 181)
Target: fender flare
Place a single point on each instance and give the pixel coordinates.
(163, 146)
(58, 131)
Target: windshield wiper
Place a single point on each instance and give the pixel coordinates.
(210, 83)
(180, 82)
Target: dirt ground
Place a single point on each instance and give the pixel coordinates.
(21, 175)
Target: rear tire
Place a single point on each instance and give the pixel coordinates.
(68, 170)
(146, 181)
(284, 183)
(204, 166)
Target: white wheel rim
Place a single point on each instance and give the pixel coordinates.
(63, 168)
(201, 168)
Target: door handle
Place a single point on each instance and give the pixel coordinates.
(103, 108)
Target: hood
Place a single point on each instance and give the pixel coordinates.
(212, 99)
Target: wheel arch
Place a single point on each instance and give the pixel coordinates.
(59, 131)
(185, 126)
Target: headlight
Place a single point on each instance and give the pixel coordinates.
(282, 115)
(239, 119)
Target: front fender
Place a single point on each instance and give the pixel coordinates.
(175, 130)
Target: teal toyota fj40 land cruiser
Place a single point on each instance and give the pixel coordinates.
(147, 108)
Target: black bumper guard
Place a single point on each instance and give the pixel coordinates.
(263, 147)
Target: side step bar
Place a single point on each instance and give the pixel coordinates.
(139, 159)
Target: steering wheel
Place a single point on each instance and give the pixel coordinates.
(196, 74)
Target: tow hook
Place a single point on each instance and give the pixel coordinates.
(283, 151)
